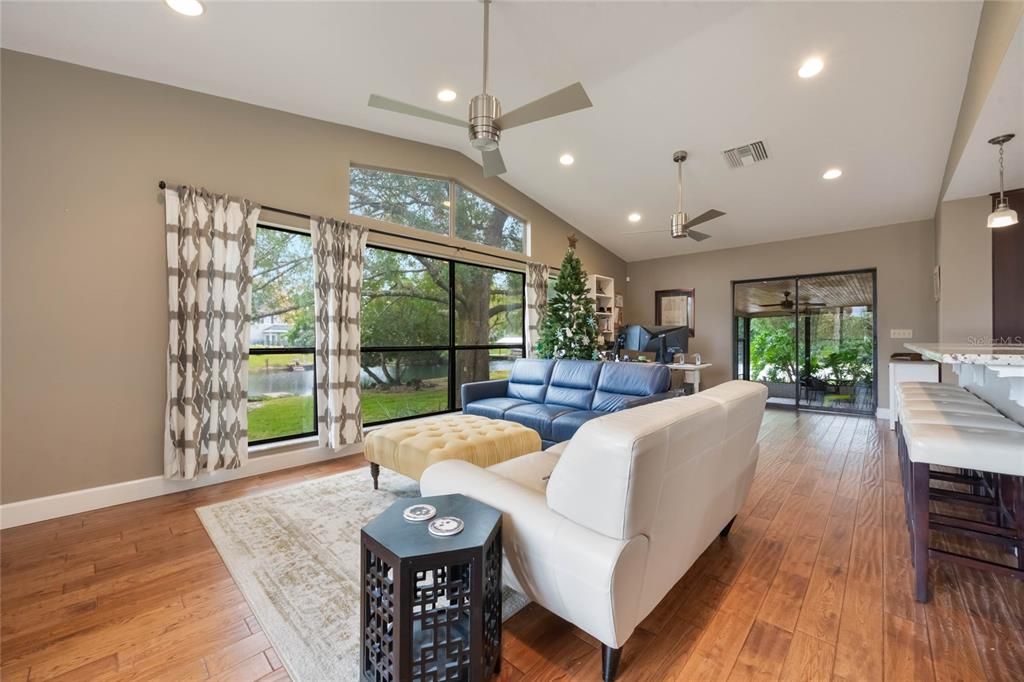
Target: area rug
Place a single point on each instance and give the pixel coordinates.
(294, 553)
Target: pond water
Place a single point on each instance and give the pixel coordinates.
(302, 382)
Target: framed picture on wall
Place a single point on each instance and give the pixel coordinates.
(674, 308)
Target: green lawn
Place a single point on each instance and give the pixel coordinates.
(280, 417)
(294, 414)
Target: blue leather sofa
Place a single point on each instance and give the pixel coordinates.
(556, 397)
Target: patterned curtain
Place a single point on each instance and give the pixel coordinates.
(338, 271)
(210, 244)
(536, 302)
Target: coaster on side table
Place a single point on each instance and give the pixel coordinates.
(446, 526)
(419, 512)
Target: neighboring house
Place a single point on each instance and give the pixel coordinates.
(268, 331)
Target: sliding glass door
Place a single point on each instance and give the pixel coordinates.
(837, 329)
(810, 339)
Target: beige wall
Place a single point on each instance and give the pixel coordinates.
(903, 255)
(965, 263)
(84, 294)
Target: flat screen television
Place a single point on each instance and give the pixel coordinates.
(661, 340)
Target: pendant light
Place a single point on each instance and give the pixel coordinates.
(1003, 216)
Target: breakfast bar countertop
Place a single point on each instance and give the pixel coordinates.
(968, 354)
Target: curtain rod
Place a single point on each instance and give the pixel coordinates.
(163, 185)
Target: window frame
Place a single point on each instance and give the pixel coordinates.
(453, 185)
(297, 350)
(452, 347)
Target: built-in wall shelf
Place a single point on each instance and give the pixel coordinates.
(602, 290)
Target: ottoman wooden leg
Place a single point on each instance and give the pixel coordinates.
(375, 472)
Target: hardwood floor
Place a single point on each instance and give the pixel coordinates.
(814, 583)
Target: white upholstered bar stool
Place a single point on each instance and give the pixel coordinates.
(937, 394)
(995, 451)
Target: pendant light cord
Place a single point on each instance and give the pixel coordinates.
(1001, 197)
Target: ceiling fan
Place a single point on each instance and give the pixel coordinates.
(680, 227)
(787, 303)
(486, 121)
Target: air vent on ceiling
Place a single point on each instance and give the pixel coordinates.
(747, 155)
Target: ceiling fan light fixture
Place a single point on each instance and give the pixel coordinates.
(676, 228)
(1003, 216)
(446, 95)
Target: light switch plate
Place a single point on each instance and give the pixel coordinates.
(901, 333)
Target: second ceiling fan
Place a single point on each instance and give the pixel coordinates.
(680, 227)
(788, 304)
(486, 121)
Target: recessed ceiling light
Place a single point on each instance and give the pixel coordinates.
(446, 95)
(190, 8)
(811, 67)
(634, 217)
(566, 160)
(832, 174)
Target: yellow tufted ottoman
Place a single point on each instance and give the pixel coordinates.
(409, 448)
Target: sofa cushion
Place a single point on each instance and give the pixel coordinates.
(494, 408)
(537, 417)
(573, 383)
(529, 379)
(621, 381)
(566, 425)
(531, 471)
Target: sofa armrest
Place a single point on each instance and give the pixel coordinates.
(481, 390)
(590, 579)
(647, 399)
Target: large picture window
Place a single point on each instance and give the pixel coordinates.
(282, 370)
(430, 325)
(425, 203)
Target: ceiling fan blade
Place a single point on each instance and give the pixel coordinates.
(493, 163)
(571, 98)
(697, 236)
(703, 218)
(379, 102)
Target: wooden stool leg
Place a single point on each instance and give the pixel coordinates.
(919, 543)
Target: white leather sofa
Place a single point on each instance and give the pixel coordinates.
(633, 499)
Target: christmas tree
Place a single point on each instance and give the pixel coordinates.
(569, 327)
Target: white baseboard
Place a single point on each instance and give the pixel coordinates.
(76, 501)
(882, 413)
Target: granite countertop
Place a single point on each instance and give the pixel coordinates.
(953, 354)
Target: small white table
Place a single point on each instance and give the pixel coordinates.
(695, 370)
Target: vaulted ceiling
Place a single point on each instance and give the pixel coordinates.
(663, 76)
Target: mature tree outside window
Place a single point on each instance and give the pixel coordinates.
(281, 337)
(412, 365)
(425, 203)
(430, 324)
(478, 220)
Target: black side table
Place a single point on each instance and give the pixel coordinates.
(431, 606)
